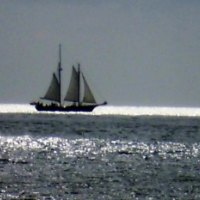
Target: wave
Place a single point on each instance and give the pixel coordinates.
(111, 110)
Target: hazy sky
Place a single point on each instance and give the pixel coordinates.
(134, 52)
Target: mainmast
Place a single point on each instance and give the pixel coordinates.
(79, 84)
(59, 75)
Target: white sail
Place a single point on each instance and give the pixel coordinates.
(73, 90)
(88, 96)
(53, 92)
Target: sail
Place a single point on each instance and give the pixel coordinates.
(88, 96)
(53, 92)
(73, 90)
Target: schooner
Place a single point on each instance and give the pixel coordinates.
(78, 103)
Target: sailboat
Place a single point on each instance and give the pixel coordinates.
(80, 101)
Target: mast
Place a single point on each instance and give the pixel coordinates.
(79, 84)
(59, 75)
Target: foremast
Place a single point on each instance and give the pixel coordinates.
(79, 85)
(59, 75)
(74, 93)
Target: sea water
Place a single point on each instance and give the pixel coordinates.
(111, 153)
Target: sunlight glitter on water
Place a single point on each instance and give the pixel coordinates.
(80, 167)
(96, 147)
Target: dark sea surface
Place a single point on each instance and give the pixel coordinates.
(77, 156)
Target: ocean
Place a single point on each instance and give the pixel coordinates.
(115, 152)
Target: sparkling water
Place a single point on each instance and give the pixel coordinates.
(111, 153)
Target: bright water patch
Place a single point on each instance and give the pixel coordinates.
(149, 111)
(110, 110)
(17, 108)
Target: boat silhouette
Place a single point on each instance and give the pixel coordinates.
(78, 103)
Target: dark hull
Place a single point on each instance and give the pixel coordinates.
(73, 108)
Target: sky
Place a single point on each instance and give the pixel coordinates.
(133, 52)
